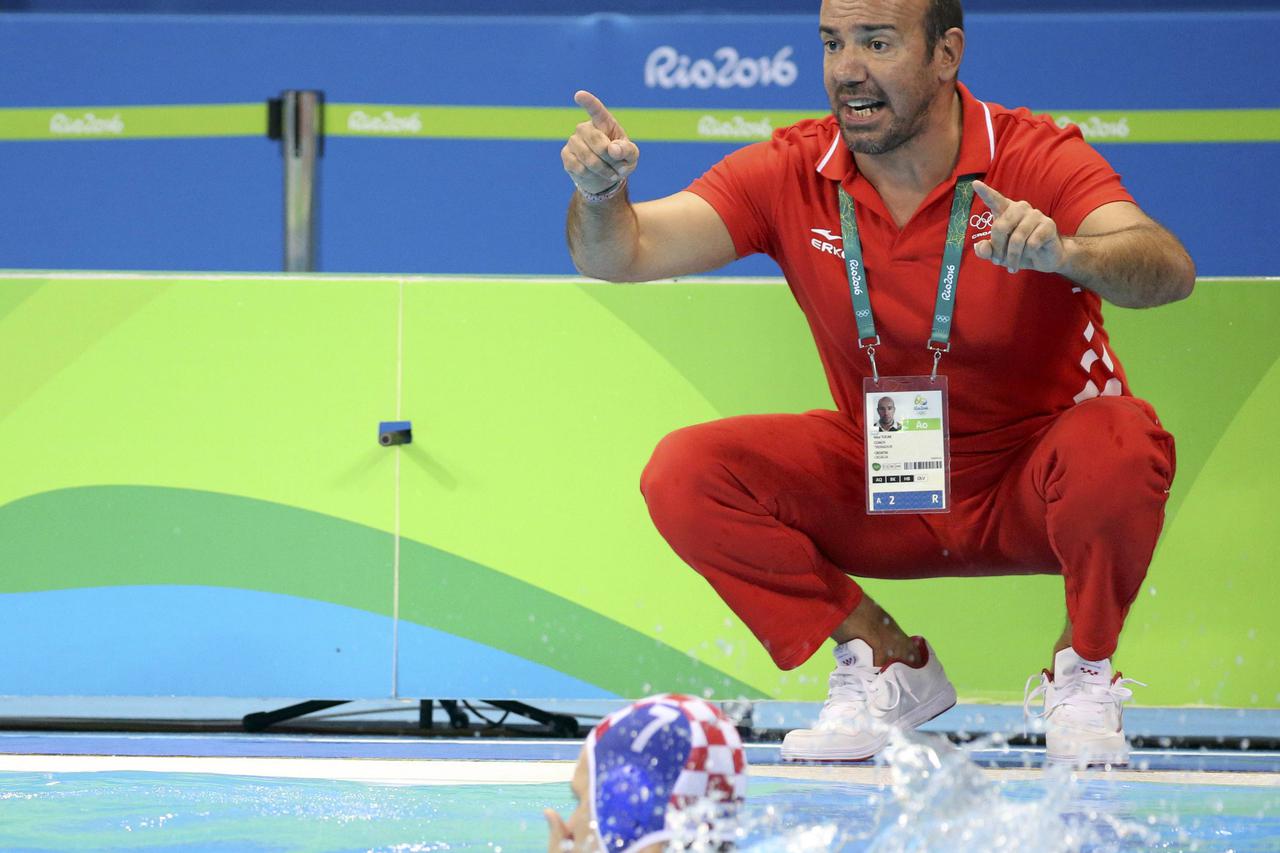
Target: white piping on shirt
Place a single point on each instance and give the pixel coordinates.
(830, 151)
(991, 135)
(991, 140)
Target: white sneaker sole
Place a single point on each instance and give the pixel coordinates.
(1092, 760)
(1108, 750)
(921, 714)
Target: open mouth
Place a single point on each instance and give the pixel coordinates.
(862, 107)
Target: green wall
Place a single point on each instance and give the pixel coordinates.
(247, 406)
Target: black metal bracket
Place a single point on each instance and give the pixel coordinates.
(458, 718)
(264, 719)
(561, 725)
(275, 121)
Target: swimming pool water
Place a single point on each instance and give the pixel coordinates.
(202, 812)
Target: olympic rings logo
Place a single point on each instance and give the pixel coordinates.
(982, 220)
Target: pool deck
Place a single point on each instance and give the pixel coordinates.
(1192, 745)
(402, 760)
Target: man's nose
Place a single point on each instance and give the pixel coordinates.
(847, 66)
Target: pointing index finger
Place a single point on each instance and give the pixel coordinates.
(598, 113)
(993, 199)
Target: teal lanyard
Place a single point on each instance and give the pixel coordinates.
(948, 277)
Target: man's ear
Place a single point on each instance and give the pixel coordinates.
(948, 52)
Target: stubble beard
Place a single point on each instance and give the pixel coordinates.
(902, 129)
(899, 131)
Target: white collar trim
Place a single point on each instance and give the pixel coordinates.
(832, 150)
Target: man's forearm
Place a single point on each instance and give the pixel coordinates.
(603, 236)
(1138, 267)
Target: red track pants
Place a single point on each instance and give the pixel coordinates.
(771, 510)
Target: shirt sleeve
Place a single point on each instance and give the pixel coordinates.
(1074, 179)
(742, 188)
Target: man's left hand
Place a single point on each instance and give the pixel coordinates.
(1022, 238)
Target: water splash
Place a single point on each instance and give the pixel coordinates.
(945, 802)
(811, 839)
(936, 798)
(936, 784)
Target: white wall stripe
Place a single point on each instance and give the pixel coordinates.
(395, 555)
(280, 278)
(293, 279)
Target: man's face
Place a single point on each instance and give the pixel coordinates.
(878, 76)
(885, 409)
(584, 836)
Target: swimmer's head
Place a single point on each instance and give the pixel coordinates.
(666, 772)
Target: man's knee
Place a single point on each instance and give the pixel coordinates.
(1114, 442)
(696, 471)
(677, 474)
(1108, 480)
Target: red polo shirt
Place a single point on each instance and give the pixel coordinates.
(1023, 347)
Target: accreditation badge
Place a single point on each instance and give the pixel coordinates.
(908, 444)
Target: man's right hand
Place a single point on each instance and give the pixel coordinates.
(680, 234)
(598, 156)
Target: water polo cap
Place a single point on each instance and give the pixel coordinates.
(667, 768)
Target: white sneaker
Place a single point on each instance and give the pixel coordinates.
(1083, 710)
(864, 701)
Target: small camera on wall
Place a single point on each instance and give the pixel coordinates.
(395, 432)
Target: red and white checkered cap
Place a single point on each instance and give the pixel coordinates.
(711, 784)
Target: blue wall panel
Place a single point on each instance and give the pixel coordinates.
(576, 7)
(433, 205)
(208, 641)
(141, 204)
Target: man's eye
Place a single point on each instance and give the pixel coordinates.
(829, 45)
(878, 45)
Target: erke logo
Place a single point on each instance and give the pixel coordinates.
(826, 242)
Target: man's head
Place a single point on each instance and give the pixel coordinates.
(885, 409)
(669, 769)
(887, 64)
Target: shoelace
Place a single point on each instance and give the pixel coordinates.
(879, 692)
(1089, 700)
(1028, 695)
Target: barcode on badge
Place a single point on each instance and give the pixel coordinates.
(920, 466)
